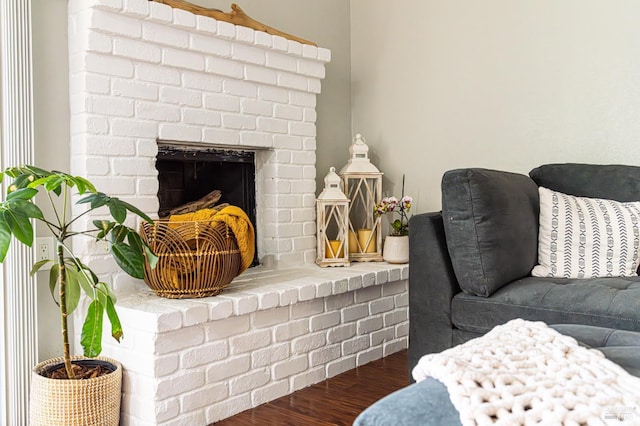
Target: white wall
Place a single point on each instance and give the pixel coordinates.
(499, 84)
(51, 134)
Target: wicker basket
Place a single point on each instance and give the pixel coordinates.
(195, 258)
(95, 401)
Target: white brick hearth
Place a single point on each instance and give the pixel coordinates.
(196, 361)
(141, 72)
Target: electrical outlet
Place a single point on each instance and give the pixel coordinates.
(45, 248)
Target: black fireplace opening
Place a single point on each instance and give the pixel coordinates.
(188, 174)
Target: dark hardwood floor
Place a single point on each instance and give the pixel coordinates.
(336, 401)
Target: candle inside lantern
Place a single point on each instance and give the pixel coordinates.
(367, 240)
(353, 242)
(333, 250)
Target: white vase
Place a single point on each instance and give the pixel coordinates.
(396, 249)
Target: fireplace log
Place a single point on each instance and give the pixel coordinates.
(206, 202)
(237, 16)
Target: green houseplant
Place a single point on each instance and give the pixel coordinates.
(69, 277)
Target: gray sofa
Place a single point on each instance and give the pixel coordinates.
(485, 241)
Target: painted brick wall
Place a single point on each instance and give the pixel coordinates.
(141, 70)
(197, 361)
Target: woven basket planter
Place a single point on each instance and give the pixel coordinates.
(195, 258)
(83, 402)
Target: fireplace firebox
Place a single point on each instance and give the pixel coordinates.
(187, 174)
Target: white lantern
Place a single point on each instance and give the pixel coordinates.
(363, 186)
(332, 219)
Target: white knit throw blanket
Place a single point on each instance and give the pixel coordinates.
(524, 372)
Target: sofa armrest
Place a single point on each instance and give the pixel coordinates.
(432, 285)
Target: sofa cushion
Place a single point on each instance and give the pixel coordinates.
(604, 302)
(613, 182)
(425, 403)
(581, 237)
(491, 227)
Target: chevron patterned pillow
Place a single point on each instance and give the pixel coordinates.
(583, 237)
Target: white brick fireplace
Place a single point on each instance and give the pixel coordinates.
(141, 72)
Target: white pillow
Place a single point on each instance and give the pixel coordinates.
(586, 237)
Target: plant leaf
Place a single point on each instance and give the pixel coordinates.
(72, 293)
(22, 181)
(140, 246)
(106, 292)
(134, 240)
(22, 194)
(80, 185)
(85, 280)
(84, 267)
(36, 266)
(37, 177)
(27, 208)
(102, 293)
(84, 184)
(20, 226)
(53, 183)
(37, 182)
(135, 210)
(37, 171)
(5, 237)
(104, 226)
(53, 281)
(118, 234)
(128, 259)
(116, 327)
(117, 210)
(152, 259)
(97, 199)
(86, 277)
(13, 171)
(91, 337)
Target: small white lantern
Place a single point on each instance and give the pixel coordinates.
(363, 186)
(332, 220)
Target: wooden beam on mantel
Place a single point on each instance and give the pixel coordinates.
(237, 16)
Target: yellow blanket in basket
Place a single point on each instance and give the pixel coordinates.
(239, 223)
